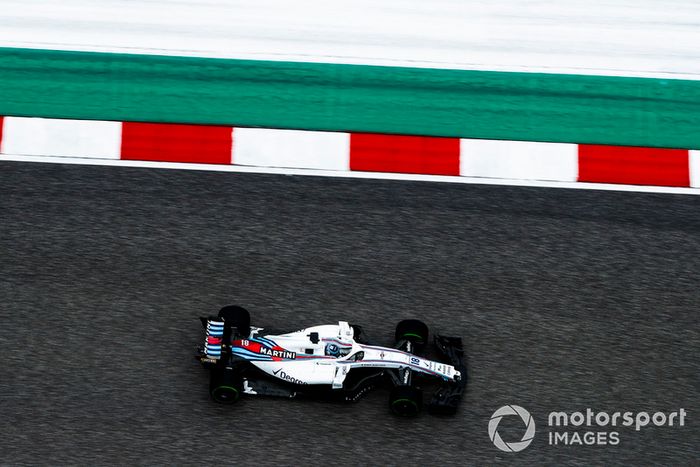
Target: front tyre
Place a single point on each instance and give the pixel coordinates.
(414, 331)
(224, 386)
(406, 401)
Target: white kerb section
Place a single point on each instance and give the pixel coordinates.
(62, 138)
(694, 160)
(291, 148)
(518, 160)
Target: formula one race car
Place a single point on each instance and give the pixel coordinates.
(330, 361)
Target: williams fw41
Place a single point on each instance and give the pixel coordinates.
(331, 362)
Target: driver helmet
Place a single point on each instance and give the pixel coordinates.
(333, 350)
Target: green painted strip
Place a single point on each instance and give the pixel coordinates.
(474, 104)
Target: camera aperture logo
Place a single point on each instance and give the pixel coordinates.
(505, 411)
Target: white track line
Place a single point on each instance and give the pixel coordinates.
(347, 174)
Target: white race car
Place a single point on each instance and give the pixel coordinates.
(329, 361)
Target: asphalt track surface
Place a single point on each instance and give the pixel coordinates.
(567, 299)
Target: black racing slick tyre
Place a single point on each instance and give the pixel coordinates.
(238, 317)
(414, 331)
(225, 386)
(406, 401)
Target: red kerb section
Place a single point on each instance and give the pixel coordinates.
(404, 154)
(633, 165)
(1, 125)
(176, 143)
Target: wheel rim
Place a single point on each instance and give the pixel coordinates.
(404, 407)
(225, 394)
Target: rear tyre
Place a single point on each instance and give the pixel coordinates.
(406, 401)
(414, 331)
(224, 386)
(238, 317)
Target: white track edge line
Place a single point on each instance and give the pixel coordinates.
(348, 174)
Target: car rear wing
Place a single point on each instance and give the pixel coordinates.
(214, 339)
(211, 351)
